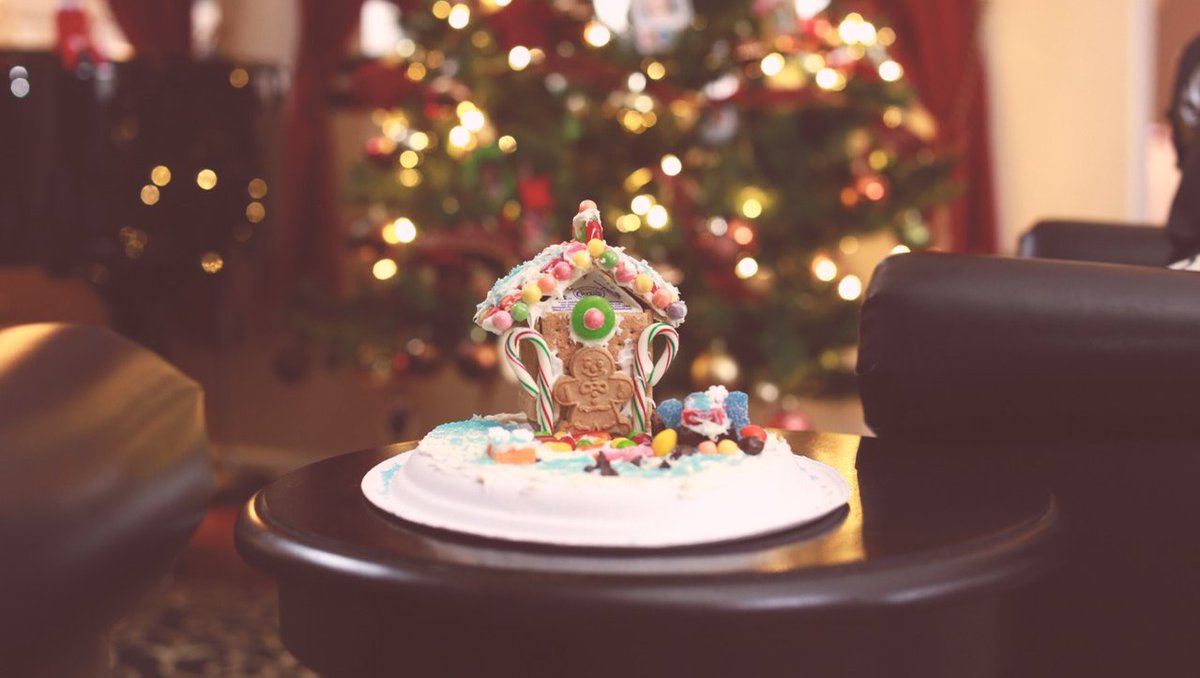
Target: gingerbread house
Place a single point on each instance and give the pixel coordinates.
(578, 323)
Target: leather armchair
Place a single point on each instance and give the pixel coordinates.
(103, 476)
(1083, 367)
(955, 346)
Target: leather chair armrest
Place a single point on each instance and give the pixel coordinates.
(961, 346)
(1141, 245)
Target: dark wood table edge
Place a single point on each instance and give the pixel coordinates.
(1008, 559)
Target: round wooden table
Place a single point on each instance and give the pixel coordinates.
(916, 576)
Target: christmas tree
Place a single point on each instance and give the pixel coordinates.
(738, 145)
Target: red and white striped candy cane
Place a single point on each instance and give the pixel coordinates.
(647, 373)
(538, 388)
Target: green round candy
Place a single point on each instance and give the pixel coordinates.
(519, 311)
(608, 259)
(586, 304)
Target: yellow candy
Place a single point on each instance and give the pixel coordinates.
(582, 260)
(558, 446)
(727, 446)
(664, 442)
(642, 283)
(595, 247)
(531, 293)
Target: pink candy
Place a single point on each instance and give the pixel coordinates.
(593, 318)
(563, 270)
(624, 273)
(627, 453)
(502, 320)
(661, 298)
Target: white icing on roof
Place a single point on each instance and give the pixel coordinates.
(507, 289)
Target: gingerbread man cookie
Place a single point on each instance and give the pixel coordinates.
(595, 392)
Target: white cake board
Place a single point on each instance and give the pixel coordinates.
(653, 514)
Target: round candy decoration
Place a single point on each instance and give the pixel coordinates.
(593, 319)
(661, 298)
(595, 247)
(519, 311)
(583, 318)
(502, 320)
(642, 283)
(531, 293)
(563, 270)
(608, 259)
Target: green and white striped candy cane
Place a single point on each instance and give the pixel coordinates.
(647, 373)
(538, 388)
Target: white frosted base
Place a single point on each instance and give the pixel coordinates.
(449, 483)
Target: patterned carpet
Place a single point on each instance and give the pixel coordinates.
(214, 617)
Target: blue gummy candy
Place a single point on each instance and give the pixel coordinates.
(737, 409)
(670, 411)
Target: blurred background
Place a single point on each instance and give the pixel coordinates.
(299, 204)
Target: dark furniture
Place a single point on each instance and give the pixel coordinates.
(1088, 372)
(915, 577)
(103, 476)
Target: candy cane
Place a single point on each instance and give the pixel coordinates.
(648, 373)
(538, 389)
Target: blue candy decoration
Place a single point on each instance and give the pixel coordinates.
(737, 409)
(670, 411)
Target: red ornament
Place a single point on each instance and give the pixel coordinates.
(789, 420)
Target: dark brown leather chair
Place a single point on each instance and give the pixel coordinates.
(104, 474)
(1082, 366)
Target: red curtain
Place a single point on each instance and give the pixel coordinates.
(310, 234)
(938, 44)
(156, 28)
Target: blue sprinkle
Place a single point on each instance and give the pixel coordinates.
(737, 409)
(670, 411)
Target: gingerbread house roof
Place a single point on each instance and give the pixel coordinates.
(556, 269)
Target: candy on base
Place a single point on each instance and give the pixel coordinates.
(519, 311)
(752, 430)
(664, 442)
(596, 247)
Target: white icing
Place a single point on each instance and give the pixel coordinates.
(531, 271)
